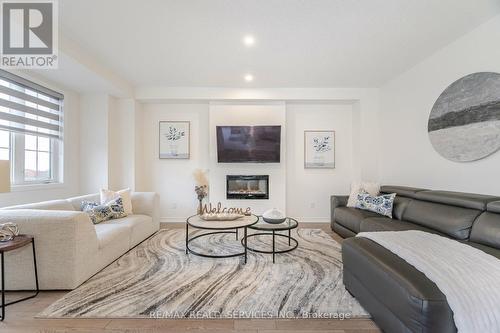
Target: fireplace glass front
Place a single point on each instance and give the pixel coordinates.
(247, 187)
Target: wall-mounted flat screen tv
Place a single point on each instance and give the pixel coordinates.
(248, 144)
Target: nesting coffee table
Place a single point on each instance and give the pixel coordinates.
(219, 227)
(268, 229)
(252, 222)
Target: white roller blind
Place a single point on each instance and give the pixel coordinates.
(27, 107)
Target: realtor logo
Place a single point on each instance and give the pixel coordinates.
(29, 34)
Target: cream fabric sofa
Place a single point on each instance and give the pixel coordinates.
(70, 249)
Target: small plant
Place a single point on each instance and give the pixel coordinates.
(174, 134)
(322, 145)
(201, 191)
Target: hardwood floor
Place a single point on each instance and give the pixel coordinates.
(20, 317)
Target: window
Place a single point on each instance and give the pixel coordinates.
(31, 129)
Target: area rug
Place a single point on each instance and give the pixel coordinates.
(158, 280)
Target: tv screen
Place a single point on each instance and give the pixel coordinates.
(240, 144)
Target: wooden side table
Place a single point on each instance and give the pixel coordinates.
(16, 243)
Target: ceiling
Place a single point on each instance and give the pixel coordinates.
(299, 43)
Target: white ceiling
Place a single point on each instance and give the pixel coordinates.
(300, 43)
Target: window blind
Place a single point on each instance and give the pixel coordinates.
(27, 107)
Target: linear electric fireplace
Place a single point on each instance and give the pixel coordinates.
(247, 187)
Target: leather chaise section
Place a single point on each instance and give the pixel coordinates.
(404, 292)
(399, 297)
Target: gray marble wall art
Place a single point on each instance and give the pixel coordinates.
(464, 124)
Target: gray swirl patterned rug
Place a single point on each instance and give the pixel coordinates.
(158, 280)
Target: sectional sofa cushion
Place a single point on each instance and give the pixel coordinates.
(388, 224)
(404, 191)
(486, 230)
(351, 218)
(109, 234)
(494, 207)
(450, 220)
(46, 205)
(400, 204)
(459, 199)
(139, 226)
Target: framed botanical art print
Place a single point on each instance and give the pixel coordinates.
(319, 149)
(174, 139)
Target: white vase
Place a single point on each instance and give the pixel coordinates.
(173, 149)
(319, 159)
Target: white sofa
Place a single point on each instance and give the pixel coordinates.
(69, 248)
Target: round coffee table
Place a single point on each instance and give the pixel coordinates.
(272, 230)
(219, 227)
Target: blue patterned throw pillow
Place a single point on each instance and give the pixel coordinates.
(100, 213)
(381, 204)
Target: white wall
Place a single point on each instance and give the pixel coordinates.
(292, 188)
(250, 114)
(173, 179)
(94, 133)
(123, 142)
(70, 187)
(406, 154)
(309, 190)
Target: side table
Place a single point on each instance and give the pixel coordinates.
(18, 242)
(272, 230)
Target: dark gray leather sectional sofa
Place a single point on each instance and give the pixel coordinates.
(399, 297)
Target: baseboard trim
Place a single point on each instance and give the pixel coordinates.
(173, 219)
(300, 219)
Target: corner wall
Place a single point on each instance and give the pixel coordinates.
(406, 154)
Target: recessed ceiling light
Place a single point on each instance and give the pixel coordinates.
(249, 40)
(249, 77)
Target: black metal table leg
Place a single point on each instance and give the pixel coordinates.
(237, 230)
(187, 237)
(3, 289)
(34, 264)
(22, 241)
(274, 246)
(245, 240)
(289, 234)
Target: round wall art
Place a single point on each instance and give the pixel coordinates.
(464, 124)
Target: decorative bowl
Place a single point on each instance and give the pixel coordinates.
(221, 217)
(274, 216)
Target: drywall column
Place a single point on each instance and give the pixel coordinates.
(94, 111)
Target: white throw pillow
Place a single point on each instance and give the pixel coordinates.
(107, 196)
(358, 187)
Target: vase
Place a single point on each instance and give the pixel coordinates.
(173, 149)
(200, 206)
(319, 159)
